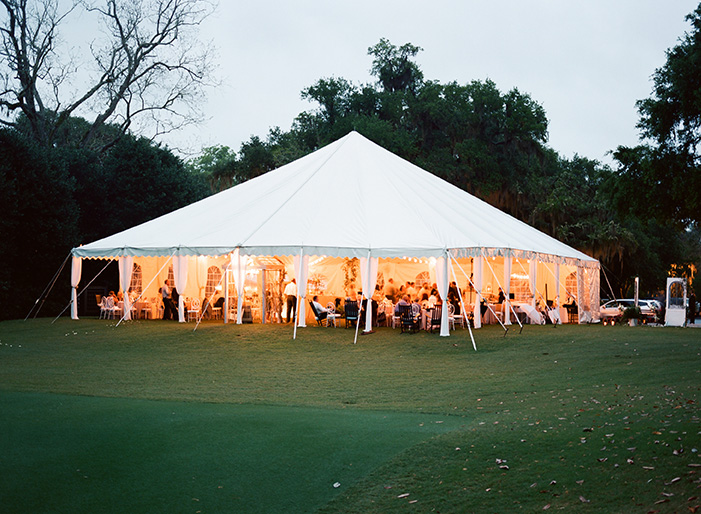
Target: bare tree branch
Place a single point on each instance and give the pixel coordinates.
(148, 73)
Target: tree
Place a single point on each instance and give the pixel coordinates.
(665, 173)
(39, 222)
(218, 165)
(147, 69)
(393, 66)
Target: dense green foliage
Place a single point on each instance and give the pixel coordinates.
(663, 176)
(57, 198)
(248, 420)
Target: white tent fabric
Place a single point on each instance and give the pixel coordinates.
(180, 276)
(368, 279)
(301, 265)
(442, 283)
(299, 206)
(239, 267)
(126, 267)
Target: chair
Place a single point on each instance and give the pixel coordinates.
(104, 309)
(194, 309)
(351, 310)
(110, 308)
(396, 320)
(331, 314)
(216, 311)
(435, 321)
(146, 308)
(455, 319)
(407, 320)
(321, 317)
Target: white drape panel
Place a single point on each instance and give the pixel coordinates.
(442, 283)
(239, 264)
(532, 276)
(301, 263)
(477, 279)
(368, 279)
(180, 276)
(557, 286)
(76, 271)
(126, 266)
(507, 289)
(225, 314)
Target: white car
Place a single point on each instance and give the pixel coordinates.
(615, 308)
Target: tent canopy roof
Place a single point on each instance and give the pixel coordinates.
(345, 199)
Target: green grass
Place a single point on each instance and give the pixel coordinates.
(244, 419)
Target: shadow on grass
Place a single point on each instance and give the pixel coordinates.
(82, 454)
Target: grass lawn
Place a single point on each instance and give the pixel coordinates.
(153, 417)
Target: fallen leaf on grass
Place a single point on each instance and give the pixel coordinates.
(546, 507)
(673, 481)
(665, 500)
(580, 482)
(649, 467)
(694, 465)
(403, 495)
(584, 500)
(668, 495)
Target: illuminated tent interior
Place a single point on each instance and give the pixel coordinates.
(350, 209)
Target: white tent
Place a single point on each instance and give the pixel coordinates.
(351, 198)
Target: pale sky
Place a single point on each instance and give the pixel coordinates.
(585, 62)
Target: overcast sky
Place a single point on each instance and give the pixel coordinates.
(585, 62)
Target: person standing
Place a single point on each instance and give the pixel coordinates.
(291, 296)
(167, 300)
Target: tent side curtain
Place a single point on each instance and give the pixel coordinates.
(126, 267)
(76, 271)
(368, 279)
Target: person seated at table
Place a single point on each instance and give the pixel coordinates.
(114, 297)
(352, 297)
(321, 311)
(433, 299)
(390, 290)
(120, 296)
(403, 301)
(424, 302)
(501, 298)
(411, 290)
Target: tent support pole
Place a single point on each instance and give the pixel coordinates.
(479, 294)
(462, 303)
(48, 289)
